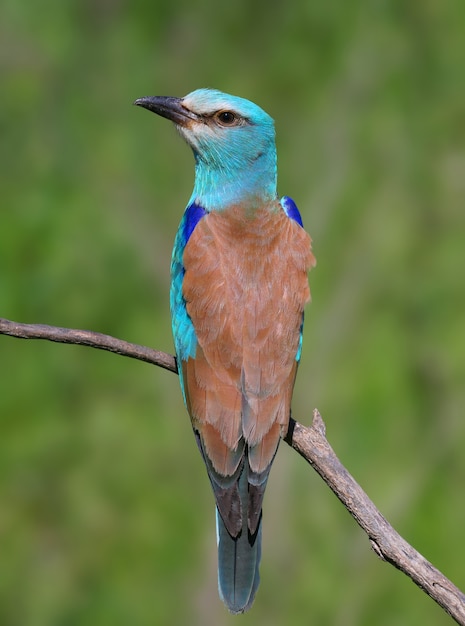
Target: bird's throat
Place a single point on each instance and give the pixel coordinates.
(219, 188)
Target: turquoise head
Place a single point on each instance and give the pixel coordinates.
(233, 141)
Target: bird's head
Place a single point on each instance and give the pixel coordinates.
(233, 141)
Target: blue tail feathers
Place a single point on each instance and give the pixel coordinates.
(239, 558)
(238, 563)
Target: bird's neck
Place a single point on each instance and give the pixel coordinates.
(218, 187)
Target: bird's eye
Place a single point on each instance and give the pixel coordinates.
(227, 118)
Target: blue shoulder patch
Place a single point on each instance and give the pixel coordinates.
(291, 210)
(192, 216)
(184, 336)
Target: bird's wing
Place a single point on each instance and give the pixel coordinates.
(184, 336)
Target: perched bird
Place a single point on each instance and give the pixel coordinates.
(238, 291)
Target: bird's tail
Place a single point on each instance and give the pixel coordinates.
(239, 558)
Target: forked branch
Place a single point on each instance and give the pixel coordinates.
(311, 443)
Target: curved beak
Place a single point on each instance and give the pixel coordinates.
(169, 107)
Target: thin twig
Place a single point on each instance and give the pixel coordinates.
(312, 445)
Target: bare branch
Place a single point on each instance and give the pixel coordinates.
(312, 445)
(88, 338)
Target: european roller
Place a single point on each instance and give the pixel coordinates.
(238, 290)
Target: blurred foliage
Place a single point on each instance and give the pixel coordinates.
(106, 515)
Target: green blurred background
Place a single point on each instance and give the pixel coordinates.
(106, 515)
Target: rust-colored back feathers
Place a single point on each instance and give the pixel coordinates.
(245, 287)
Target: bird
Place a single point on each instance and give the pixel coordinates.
(239, 285)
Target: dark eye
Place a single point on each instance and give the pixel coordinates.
(227, 118)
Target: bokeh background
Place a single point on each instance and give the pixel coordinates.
(106, 515)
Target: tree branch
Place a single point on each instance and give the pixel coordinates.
(312, 445)
(88, 338)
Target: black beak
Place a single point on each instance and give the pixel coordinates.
(169, 107)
